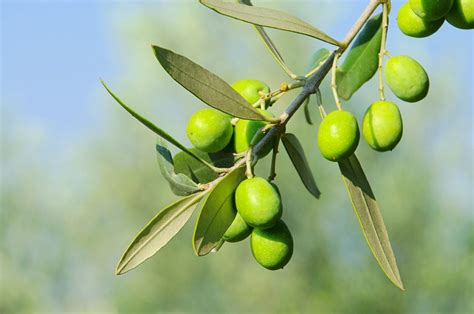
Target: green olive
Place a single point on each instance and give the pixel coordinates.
(406, 78)
(413, 25)
(338, 135)
(244, 132)
(258, 202)
(238, 230)
(462, 14)
(251, 90)
(209, 130)
(382, 127)
(431, 10)
(272, 248)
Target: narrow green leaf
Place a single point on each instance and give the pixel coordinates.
(179, 183)
(199, 173)
(151, 126)
(370, 218)
(298, 158)
(217, 213)
(268, 18)
(157, 233)
(205, 85)
(362, 60)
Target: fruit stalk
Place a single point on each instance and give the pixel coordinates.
(383, 50)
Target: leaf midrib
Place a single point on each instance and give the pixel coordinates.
(311, 31)
(241, 105)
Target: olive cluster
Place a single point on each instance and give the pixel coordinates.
(422, 18)
(257, 202)
(382, 126)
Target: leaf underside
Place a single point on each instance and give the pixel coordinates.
(370, 218)
(361, 62)
(298, 158)
(157, 233)
(268, 18)
(179, 183)
(205, 85)
(198, 172)
(217, 213)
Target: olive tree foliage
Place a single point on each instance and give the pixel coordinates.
(224, 171)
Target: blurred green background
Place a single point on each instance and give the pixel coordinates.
(79, 176)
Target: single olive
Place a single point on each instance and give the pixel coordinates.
(382, 127)
(273, 247)
(462, 14)
(338, 135)
(413, 25)
(244, 132)
(238, 230)
(251, 90)
(431, 10)
(258, 202)
(406, 78)
(209, 130)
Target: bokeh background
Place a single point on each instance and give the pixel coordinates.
(79, 176)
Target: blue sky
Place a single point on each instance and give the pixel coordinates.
(54, 52)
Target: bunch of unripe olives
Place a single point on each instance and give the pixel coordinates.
(257, 202)
(382, 126)
(422, 18)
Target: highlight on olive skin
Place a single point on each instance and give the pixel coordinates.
(272, 248)
(209, 130)
(338, 135)
(431, 10)
(251, 90)
(413, 25)
(382, 127)
(406, 78)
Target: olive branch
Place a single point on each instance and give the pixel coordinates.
(225, 171)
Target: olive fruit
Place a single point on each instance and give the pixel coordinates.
(382, 127)
(273, 247)
(258, 202)
(413, 25)
(338, 135)
(209, 130)
(406, 78)
(431, 10)
(462, 14)
(244, 132)
(238, 230)
(250, 89)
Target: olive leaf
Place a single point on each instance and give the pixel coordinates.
(179, 183)
(205, 85)
(217, 213)
(319, 56)
(158, 232)
(361, 62)
(199, 173)
(268, 18)
(298, 158)
(152, 126)
(370, 218)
